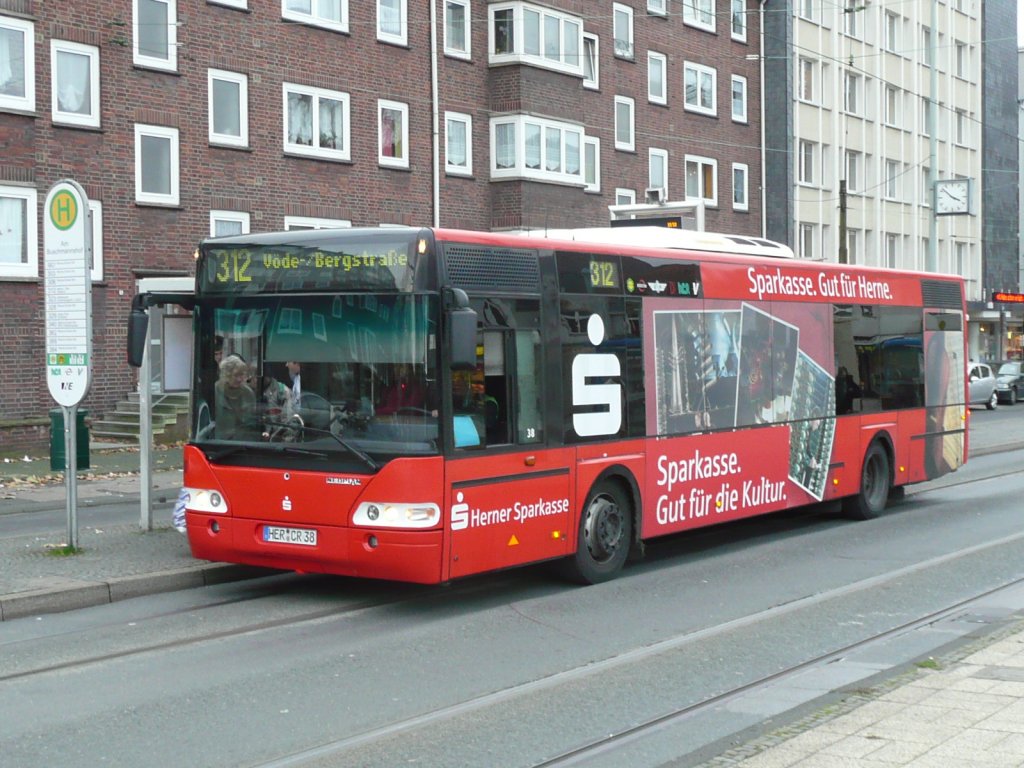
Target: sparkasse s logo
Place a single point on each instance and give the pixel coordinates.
(592, 385)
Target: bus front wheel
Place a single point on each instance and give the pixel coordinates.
(604, 537)
(875, 484)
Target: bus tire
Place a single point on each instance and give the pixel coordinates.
(604, 537)
(875, 484)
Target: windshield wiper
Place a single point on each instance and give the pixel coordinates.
(347, 445)
(222, 452)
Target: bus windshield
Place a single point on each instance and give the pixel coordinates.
(285, 380)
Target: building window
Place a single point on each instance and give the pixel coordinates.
(96, 269)
(807, 10)
(739, 99)
(926, 46)
(739, 20)
(76, 82)
(240, 4)
(699, 13)
(891, 247)
(332, 14)
(19, 254)
(657, 66)
(657, 7)
(892, 32)
(892, 180)
(228, 223)
(296, 223)
(590, 61)
(851, 93)
(316, 122)
(699, 88)
(228, 101)
(536, 148)
(807, 242)
(540, 37)
(458, 144)
(592, 163)
(17, 69)
(851, 17)
(657, 171)
(808, 151)
(740, 196)
(702, 179)
(962, 127)
(156, 34)
(962, 61)
(853, 246)
(392, 21)
(808, 82)
(892, 106)
(853, 171)
(156, 165)
(625, 196)
(393, 133)
(457, 28)
(622, 30)
(624, 123)
(926, 116)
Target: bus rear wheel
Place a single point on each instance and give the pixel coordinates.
(605, 534)
(875, 484)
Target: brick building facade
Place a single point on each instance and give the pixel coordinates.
(224, 115)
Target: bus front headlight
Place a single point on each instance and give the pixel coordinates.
(382, 514)
(206, 500)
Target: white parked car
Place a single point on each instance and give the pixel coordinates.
(981, 386)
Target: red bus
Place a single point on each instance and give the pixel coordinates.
(426, 404)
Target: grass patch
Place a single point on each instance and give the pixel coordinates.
(64, 550)
(928, 664)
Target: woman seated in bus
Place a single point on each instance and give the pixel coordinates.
(234, 402)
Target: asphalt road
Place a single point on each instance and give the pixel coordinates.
(515, 668)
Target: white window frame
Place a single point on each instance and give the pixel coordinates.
(892, 241)
(853, 97)
(700, 73)
(310, 17)
(242, 81)
(961, 60)
(657, 7)
(625, 196)
(891, 32)
(630, 144)
(851, 21)
(741, 116)
(314, 222)
(467, 122)
(854, 171)
(594, 82)
(27, 101)
(171, 197)
(807, 80)
(961, 128)
(519, 169)
(892, 179)
(926, 46)
(239, 4)
(169, 64)
(892, 106)
(807, 162)
(657, 60)
(806, 9)
(91, 119)
(808, 241)
(853, 241)
(449, 48)
(389, 161)
(235, 217)
(96, 268)
(314, 150)
(30, 268)
(657, 165)
(569, 59)
(700, 163)
(738, 20)
(700, 14)
(394, 38)
(741, 202)
(622, 14)
(594, 145)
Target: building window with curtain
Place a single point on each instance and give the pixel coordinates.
(393, 134)
(19, 255)
(536, 148)
(17, 79)
(392, 21)
(457, 29)
(316, 122)
(331, 14)
(76, 83)
(458, 144)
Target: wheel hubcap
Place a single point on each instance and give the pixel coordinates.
(603, 528)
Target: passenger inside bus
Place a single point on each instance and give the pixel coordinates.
(234, 402)
(472, 405)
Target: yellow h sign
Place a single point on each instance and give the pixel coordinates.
(63, 210)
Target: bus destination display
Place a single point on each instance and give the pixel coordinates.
(256, 269)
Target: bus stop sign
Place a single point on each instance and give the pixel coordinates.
(67, 255)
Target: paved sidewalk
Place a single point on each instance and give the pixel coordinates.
(117, 561)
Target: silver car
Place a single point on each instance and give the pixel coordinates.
(981, 386)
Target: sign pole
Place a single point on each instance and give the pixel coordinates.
(67, 252)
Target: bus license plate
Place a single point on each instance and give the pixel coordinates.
(304, 536)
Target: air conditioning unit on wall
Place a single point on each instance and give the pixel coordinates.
(655, 194)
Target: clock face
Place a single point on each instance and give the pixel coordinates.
(952, 196)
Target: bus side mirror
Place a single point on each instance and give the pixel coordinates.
(462, 338)
(138, 325)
